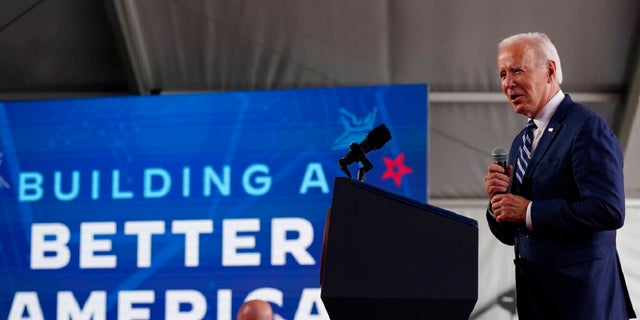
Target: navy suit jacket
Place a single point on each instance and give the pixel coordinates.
(567, 267)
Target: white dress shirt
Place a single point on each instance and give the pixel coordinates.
(542, 120)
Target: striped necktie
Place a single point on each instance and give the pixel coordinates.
(525, 150)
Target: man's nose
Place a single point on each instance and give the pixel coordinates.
(509, 81)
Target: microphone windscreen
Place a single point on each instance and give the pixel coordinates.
(499, 153)
(376, 138)
(499, 156)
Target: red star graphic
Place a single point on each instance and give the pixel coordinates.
(395, 169)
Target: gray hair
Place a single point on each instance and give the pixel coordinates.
(544, 48)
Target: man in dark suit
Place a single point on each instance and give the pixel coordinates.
(561, 197)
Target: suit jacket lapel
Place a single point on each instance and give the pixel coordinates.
(549, 135)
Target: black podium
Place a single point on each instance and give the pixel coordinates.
(386, 256)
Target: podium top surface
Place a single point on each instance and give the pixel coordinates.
(413, 202)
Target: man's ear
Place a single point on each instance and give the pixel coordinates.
(551, 71)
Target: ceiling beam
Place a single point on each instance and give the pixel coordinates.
(497, 97)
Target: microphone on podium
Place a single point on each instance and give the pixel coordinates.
(374, 140)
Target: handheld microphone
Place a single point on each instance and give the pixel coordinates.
(374, 140)
(499, 156)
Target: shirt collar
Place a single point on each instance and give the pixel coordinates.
(542, 118)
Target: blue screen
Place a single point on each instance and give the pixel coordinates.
(183, 206)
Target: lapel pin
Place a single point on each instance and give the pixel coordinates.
(550, 129)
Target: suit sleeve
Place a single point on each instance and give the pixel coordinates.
(593, 196)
